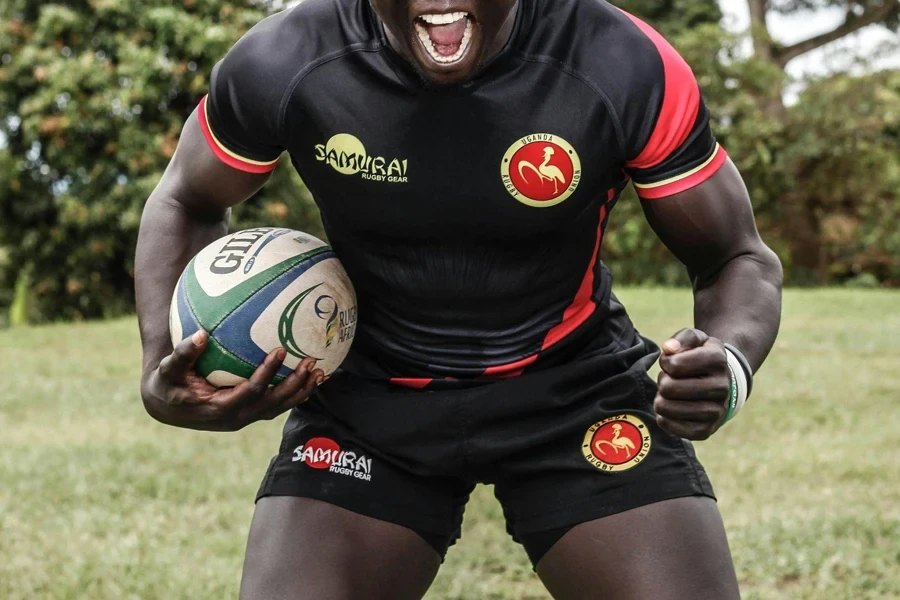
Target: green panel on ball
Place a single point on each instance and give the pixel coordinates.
(217, 358)
(212, 310)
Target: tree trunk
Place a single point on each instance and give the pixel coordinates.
(803, 231)
(764, 48)
(762, 41)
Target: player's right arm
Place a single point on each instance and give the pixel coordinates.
(226, 153)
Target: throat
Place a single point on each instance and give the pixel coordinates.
(447, 38)
(445, 42)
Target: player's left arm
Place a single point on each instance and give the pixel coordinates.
(737, 299)
(697, 204)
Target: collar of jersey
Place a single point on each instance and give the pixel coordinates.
(411, 79)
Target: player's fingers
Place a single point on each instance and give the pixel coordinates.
(701, 411)
(291, 384)
(684, 340)
(255, 388)
(175, 366)
(178, 395)
(689, 430)
(299, 397)
(199, 388)
(706, 360)
(713, 387)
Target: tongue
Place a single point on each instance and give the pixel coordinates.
(447, 38)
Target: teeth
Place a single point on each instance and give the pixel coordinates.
(429, 45)
(444, 19)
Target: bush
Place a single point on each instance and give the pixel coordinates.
(93, 96)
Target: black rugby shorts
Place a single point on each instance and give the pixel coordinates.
(562, 446)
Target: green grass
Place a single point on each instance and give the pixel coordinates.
(99, 501)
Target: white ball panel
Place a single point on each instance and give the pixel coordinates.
(224, 379)
(237, 257)
(175, 319)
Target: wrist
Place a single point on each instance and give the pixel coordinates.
(744, 364)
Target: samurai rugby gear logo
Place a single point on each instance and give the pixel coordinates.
(617, 443)
(541, 170)
(346, 154)
(324, 453)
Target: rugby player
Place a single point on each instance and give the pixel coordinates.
(466, 156)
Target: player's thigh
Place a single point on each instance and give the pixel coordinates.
(672, 550)
(301, 548)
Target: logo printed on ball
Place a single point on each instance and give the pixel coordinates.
(235, 251)
(617, 443)
(325, 308)
(286, 325)
(541, 170)
(328, 313)
(275, 234)
(324, 453)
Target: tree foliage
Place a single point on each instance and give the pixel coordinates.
(93, 95)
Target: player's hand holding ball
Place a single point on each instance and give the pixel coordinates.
(257, 320)
(700, 386)
(189, 400)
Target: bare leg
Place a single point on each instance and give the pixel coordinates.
(675, 550)
(306, 549)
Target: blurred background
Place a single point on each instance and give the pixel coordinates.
(99, 501)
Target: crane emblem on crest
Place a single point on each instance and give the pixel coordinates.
(617, 443)
(545, 170)
(541, 170)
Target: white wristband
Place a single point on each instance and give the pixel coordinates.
(738, 396)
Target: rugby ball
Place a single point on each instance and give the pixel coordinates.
(260, 289)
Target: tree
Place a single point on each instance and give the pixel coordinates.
(802, 204)
(857, 15)
(93, 95)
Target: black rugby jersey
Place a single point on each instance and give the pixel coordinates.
(469, 218)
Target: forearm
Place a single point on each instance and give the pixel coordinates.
(741, 303)
(169, 237)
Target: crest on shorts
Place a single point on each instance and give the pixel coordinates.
(541, 170)
(617, 443)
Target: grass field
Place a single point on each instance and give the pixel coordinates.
(98, 501)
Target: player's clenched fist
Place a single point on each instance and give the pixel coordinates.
(176, 395)
(695, 385)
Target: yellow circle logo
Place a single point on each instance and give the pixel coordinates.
(345, 153)
(541, 170)
(617, 443)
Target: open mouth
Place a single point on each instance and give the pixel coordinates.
(446, 37)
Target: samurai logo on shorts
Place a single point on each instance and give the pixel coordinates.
(541, 170)
(617, 443)
(325, 453)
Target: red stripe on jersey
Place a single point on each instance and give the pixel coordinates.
(227, 156)
(411, 382)
(513, 369)
(583, 305)
(678, 185)
(681, 103)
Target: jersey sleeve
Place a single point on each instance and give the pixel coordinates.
(669, 144)
(241, 115)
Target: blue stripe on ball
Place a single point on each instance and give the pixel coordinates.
(189, 323)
